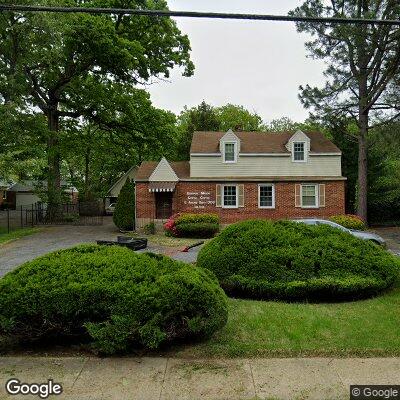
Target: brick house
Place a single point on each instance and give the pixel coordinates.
(245, 175)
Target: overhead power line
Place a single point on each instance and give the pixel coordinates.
(196, 14)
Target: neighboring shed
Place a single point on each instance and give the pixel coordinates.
(24, 194)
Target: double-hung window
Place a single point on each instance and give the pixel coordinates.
(230, 196)
(266, 196)
(230, 152)
(299, 151)
(309, 196)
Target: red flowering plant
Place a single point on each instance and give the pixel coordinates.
(170, 226)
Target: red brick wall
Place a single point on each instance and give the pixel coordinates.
(284, 201)
(145, 202)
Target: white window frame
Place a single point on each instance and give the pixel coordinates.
(234, 161)
(316, 186)
(304, 153)
(273, 195)
(223, 196)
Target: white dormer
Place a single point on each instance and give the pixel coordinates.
(163, 173)
(299, 145)
(229, 146)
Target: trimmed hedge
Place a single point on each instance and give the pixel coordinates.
(350, 222)
(197, 230)
(287, 260)
(192, 225)
(197, 219)
(113, 297)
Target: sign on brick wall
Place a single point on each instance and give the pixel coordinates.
(198, 200)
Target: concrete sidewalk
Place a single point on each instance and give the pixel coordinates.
(178, 379)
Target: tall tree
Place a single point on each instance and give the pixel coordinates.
(205, 117)
(59, 63)
(236, 117)
(200, 118)
(21, 144)
(96, 154)
(363, 63)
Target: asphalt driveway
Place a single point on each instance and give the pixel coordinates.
(61, 237)
(54, 238)
(392, 237)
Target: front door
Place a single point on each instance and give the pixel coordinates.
(163, 205)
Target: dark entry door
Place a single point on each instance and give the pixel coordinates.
(163, 205)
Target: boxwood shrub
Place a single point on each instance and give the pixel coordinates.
(113, 297)
(287, 260)
(197, 230)
(349, 221)
(197, 219)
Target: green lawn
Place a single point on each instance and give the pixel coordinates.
(17, 234)
(264, 329)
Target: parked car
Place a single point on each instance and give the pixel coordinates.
(373, 237)
(111, 208)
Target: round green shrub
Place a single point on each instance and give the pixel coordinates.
(350, 222)
(293, 261)
(113, 297)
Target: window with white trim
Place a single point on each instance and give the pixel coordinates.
(230, 152)
(266, 196)
(230, 196)
(309, 196)
(299, 151)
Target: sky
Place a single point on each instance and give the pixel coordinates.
(259, 64)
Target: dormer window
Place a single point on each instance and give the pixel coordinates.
(230, 152)
(299, 153)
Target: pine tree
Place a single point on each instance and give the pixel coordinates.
(124, 214)
(363, 64)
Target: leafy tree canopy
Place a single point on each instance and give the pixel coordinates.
(205, 117)
(66, 65)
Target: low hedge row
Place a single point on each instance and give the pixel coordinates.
(197, 219)
(113, 297)
(350, 222)
(291, 261)
(197, 230)
(192, 225)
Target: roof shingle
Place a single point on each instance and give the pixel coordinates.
(259, 142)
(181, 168)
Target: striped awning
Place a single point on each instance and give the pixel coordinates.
(162, 186)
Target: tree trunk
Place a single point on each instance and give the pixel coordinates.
(362, 209)
(87, 174)
(53, 160)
